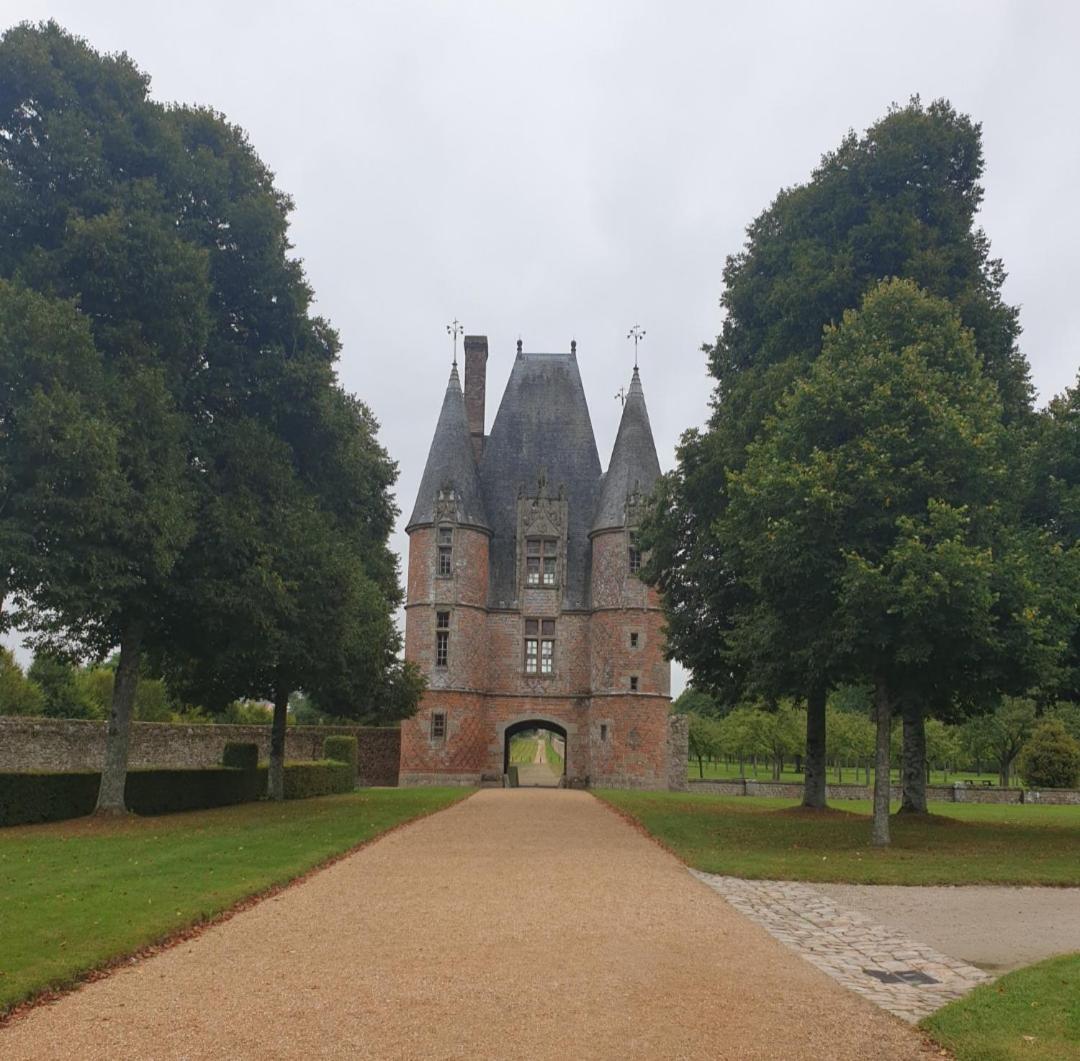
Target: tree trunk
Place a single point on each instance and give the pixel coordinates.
(883, 716)
(701, 767)
(275, 775)
(815, 765)
(110, 799)
(913, 759)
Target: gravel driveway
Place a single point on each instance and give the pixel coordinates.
(520, 923)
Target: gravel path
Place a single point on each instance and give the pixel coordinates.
(520, 923)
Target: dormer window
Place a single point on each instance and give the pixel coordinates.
(541, 561)
(634, 554)
(445, 552)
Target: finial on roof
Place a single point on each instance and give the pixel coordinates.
(637, 333)
(573, 347)
(454, 329)
(519, 347)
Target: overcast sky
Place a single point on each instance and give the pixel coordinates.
(556, 170)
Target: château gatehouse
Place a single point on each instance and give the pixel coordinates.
(524, 606)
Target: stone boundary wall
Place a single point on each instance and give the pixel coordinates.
(934, 793)
(76, 744)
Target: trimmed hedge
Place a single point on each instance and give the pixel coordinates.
(28, 797)
(321, 777)
(51, 797)
(47, 797)
(240, 755)
(343, 750)
(161, 791)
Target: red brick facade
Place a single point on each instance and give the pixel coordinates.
(608, 688)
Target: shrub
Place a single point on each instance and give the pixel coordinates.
(322, 777)
(240, 756)
(1051, 758)
(165, 791)
(343, 750)
(47, 797)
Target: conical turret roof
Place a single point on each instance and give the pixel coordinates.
(634, 467)
(450, 471)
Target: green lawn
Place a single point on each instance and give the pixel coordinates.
(746, 836)
(850, 775)
(1032, 1013)
(75, 894)
(553, 756)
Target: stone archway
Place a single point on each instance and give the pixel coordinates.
(538, 749)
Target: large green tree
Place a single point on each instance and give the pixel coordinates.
(900, 200)
(875, 486)
(165, 229)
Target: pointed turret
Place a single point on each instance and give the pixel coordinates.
(634, 469)
(450, 474)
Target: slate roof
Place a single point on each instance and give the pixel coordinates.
(451, 465)
(542, 427)
(633, 466)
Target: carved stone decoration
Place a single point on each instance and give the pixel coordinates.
(636, 506)
(542, 516)
(446, 505)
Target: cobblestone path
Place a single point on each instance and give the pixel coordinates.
(851, 947)
(520, 923)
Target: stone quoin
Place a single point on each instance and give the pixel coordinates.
(523, 603)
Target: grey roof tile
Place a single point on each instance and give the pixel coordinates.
(634, 467)
(451, 465)
(542, 428)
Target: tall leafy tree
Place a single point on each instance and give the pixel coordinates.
(875, 485)
(898, 201)
(248, 486)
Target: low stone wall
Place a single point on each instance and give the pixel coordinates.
(72, 744)
(934, 793)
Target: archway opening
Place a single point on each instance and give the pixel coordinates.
(536, 749)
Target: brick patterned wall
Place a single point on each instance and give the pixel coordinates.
(614, 736)
(70, 744)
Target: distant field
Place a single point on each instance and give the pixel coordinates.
(522, 749)
(959, 843)
(850, 775)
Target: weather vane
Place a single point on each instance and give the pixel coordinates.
(637, 333)
(454, 330)
(621, 395)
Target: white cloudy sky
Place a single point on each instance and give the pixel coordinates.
(557, 170)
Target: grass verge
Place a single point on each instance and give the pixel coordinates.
(1032, 1013)
(745, 836)
(77, 895)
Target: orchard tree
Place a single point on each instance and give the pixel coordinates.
(874, 486)
(900, 200)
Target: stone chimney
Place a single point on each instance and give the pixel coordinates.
(476, 354)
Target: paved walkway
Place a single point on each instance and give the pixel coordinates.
(520, 923)
(893, 971)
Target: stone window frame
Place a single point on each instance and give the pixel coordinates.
(442, 639)
(438, 727)
(546, 553)
(634, 556)
(444, 550)
(541, 639)
(635, 639)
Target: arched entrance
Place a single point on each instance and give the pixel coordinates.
(536, 749)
